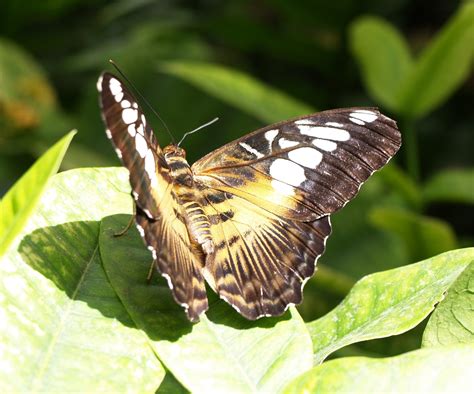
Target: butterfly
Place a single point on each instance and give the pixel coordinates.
(252, 217)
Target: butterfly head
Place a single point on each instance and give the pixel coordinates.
(172, 151)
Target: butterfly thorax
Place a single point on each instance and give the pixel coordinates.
(189, 196)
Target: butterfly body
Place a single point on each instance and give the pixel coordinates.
(189, 198)
(252, 217)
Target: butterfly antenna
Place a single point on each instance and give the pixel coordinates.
(199, 128)
(143, 98)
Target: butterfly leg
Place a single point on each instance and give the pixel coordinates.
(129, 224)
(150, 272)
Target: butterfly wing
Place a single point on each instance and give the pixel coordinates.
(158, 213)
(261, 261)
(269, 196)
(307, 167)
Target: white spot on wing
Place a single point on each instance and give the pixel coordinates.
(152, 250)
(125, 104)
(115, 86)
(129, 115)
(304, 121)
(150, 167)
(141, 145)
(99, 83)
(288, 172)
(135, 195)
(168, 279)
(334, 124)
(270, 135)
(119, 153)
(364, 115)
(326, 145)
(251, 150)
(116, 89)
(357, 121)
(140, 129)
(131, 130)
(108, 133)
(143, 120)
(284, 143)
(307, 157)
(140, 230)
(328, 133)
(118, 97)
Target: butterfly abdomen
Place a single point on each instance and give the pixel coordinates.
(199, 226)
(197, 222)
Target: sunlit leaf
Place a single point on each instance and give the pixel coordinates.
(451, 186)
(62, 327)
(424, 236)
(223, 352)
(239, 89)
(441, 370)
(387, 303)
(383, 56)
(442, 66)
(20, 201)
(453, 319)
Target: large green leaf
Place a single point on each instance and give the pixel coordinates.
(223, 352)
(383, 56)
(441, 370)
(239, 89)
(442, 66)
(387, 303)
(453, 320)
(62, 327)
(20, 201)
(452, 186)
(423, 236)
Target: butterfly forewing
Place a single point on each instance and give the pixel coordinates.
(158, 213)
(134, 143)
(307, 167)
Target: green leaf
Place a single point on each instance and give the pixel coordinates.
(223, 351)
(62, 326)
(383, 56)
(452, 321)
(451, 186)
(387, 303)
(20, 201)
(442, 67)
(239, 89)
(424, 236)
(441, 370)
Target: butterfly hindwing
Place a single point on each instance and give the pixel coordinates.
(158, 216)
(262, 261)
(307, 167)
(176, 257)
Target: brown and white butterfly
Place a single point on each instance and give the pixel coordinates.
(252, 217)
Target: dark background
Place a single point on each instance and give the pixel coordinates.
(300, 48)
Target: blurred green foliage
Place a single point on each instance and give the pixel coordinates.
(251, 63)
